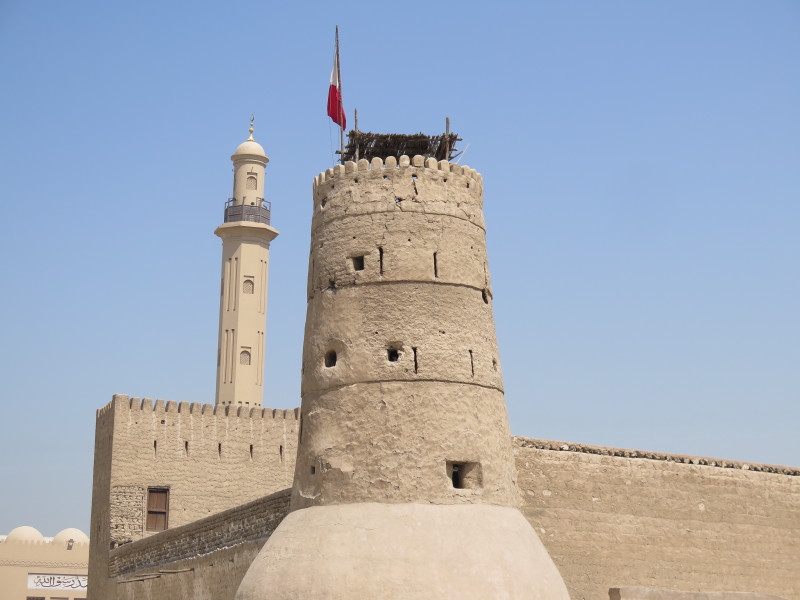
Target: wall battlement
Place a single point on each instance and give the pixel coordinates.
(196, 408)
(646, 454)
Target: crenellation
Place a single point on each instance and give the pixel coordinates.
(649, 455)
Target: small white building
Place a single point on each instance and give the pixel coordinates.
(34, 567)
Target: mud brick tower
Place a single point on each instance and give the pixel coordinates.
(404, 484)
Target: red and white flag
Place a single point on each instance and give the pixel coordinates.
(335, 106)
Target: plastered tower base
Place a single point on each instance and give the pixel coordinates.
(408, 551)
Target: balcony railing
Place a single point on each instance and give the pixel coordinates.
(255, 213)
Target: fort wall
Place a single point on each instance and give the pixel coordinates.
(609, 517)
(202, 560)
(209, 458)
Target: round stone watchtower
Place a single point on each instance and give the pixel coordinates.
(405, 482)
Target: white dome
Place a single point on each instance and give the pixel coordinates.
(70, 533)
(25, 533)
(250, 147)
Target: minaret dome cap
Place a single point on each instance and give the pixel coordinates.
(250, 147)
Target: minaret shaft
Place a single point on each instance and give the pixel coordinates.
(246, 235)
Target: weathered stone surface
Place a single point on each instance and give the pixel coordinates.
(613, 517)
(390, 442)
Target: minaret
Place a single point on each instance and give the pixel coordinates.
(405, 485)
(246, 235)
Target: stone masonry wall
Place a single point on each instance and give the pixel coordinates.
(202, 560)
(612, 517)
(609, 518)
(210, 458)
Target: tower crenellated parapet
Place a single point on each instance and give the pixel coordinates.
(416, 184)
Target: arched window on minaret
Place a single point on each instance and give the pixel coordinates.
(252, 182)
(248, 287)
(244, 358)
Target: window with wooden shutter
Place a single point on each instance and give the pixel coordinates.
(157, 509)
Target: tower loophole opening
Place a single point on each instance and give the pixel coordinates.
(358, 263)
(464, 475)
(330, 358)
(485, 295)
(393, 354)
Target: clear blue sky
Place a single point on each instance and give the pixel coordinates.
(642, 175)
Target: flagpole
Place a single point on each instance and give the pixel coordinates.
(341, 99)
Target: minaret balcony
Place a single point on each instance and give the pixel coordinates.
(257, 212)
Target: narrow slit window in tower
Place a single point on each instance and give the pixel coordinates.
(251, 451)
(313, 470)
(485, 296)
(358, 263)
(155, 448)
(219, 450)
(186, 447)
(416, 363)
(472, 363)
(330, 358)
(280, 451)
(436, 264)
(380, 258)
(455, 475)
